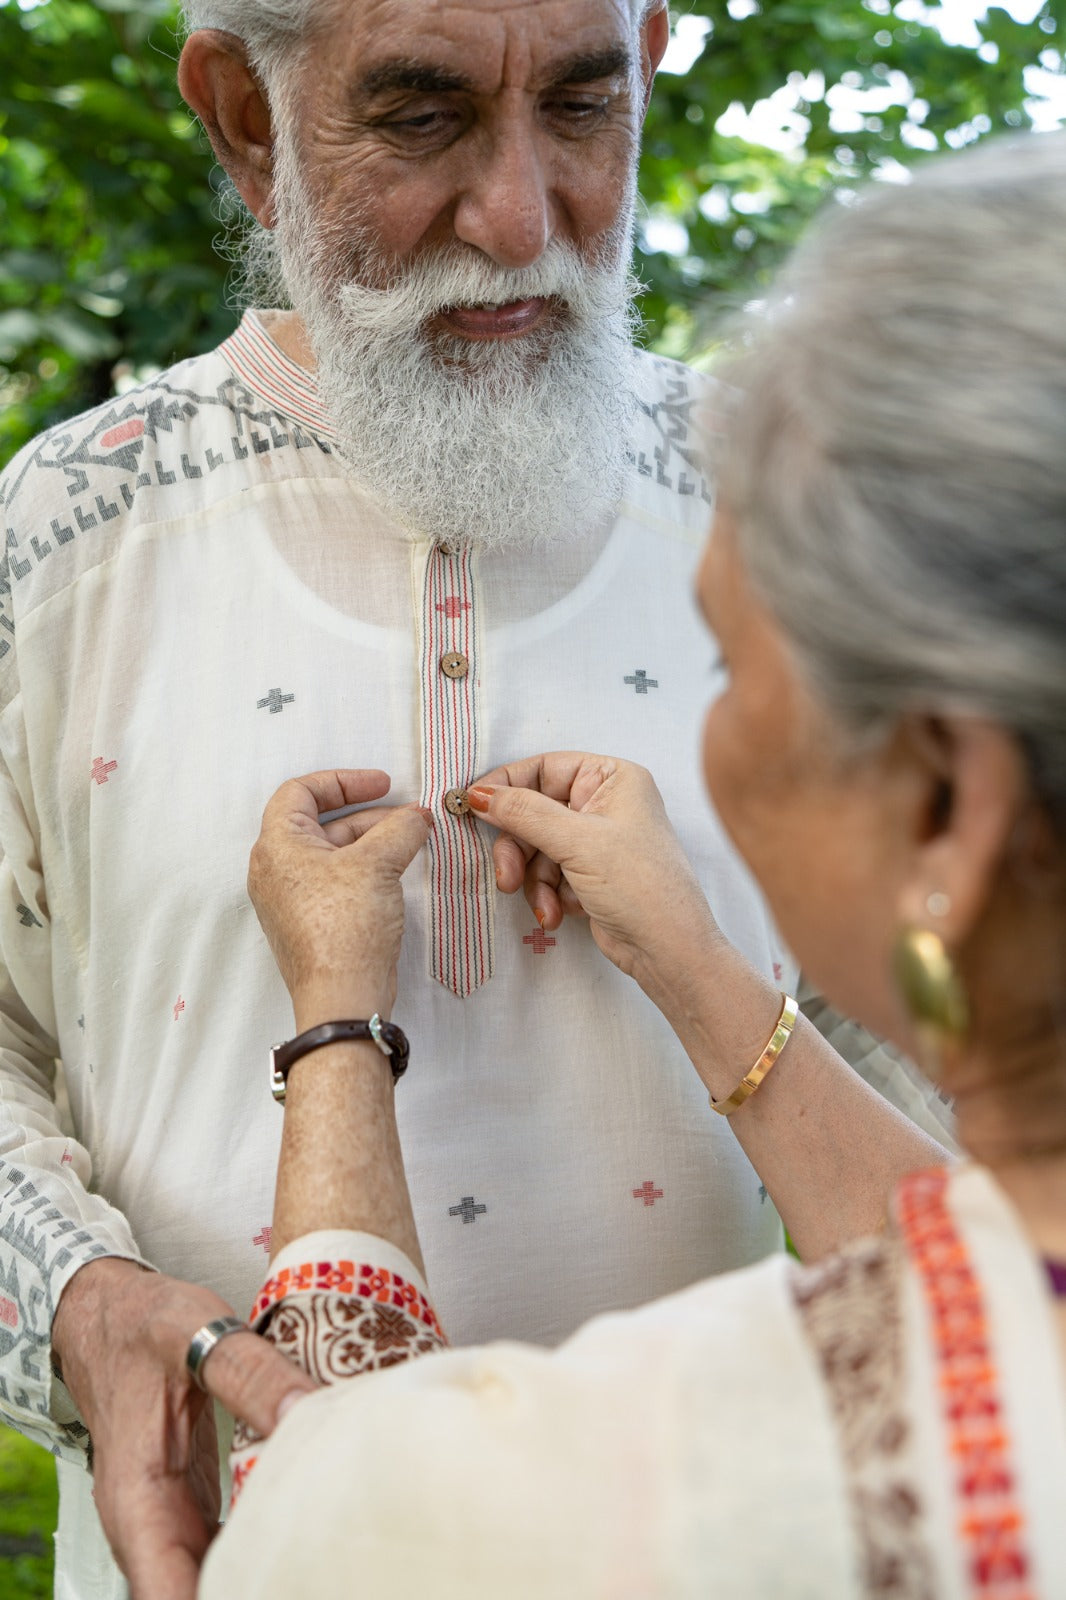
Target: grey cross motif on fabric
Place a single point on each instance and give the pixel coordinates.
(26, 916)
(467, 1209)
(642, 682)
(275, 700)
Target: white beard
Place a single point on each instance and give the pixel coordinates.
(491, 444)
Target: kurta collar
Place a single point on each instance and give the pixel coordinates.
(265, 368)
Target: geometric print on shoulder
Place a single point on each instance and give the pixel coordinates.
(667, 447)
(146, 438)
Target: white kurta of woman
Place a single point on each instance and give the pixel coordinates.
(198, 603)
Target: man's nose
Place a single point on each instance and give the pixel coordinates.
(506, 208)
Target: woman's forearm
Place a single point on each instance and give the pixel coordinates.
(341, 1165)
(829, 1149)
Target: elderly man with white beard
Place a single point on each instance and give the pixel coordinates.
(433, 517)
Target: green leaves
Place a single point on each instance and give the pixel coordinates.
(856, 86)
(106, 211)
(107, 215)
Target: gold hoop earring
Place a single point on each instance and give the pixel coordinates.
(932, 992)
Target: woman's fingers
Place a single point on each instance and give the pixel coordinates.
(568, 900)
(551, 774)
(509, 857)
(543, 878)
(530, 817)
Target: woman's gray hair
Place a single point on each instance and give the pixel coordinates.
(896, 462)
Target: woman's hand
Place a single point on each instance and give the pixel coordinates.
(328, 895)
(585, 834)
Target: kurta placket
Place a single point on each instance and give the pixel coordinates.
(461, 871)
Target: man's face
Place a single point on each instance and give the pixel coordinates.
(453, 193)
(493, 125)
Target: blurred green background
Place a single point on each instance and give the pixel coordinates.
(109, 211)
(27, 1518)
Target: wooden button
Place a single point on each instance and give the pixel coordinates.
(454, 665)
(456, 803)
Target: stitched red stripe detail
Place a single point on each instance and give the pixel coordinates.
(990, 1522)
(461, 946)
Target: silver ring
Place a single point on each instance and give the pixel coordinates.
(204, 1341)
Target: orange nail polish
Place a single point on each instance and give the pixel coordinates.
(539, 916)
(479, 799)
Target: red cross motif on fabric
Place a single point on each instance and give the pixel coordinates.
(461, 875)
(648, 1193)
(101, 769)
(453, 607)
(990, 1521)
(263, 1237)
(179, 1007)
(540, 941)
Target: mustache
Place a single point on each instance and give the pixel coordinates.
(407, 299)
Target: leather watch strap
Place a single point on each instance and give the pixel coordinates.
(390, 1040)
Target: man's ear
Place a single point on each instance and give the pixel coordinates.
(654, 38)
(973, 792)
(220, 86)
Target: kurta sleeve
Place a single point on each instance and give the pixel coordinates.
(50, 1222)
(339, 1304)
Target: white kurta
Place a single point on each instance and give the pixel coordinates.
(199, 603)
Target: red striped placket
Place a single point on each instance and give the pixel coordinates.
(461, 874)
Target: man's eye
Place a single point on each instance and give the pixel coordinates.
(431, 123)
(579, 109)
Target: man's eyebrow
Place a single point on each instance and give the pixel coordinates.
(416, 75)
(422, 78)
(592, 66)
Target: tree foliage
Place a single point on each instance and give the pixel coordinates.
(865, 85)
(108, 214)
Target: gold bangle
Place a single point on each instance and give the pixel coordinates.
(778, 1040)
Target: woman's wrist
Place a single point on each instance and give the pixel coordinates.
(722, 1009)
(674, 973)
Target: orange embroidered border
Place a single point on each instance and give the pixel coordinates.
(344, 1277)
(241, 1473)
(991, 1525)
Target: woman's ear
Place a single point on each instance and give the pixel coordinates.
(972, 788)
(219, 85)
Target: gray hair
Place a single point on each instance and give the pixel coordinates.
(896, 464)
(277, 32)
